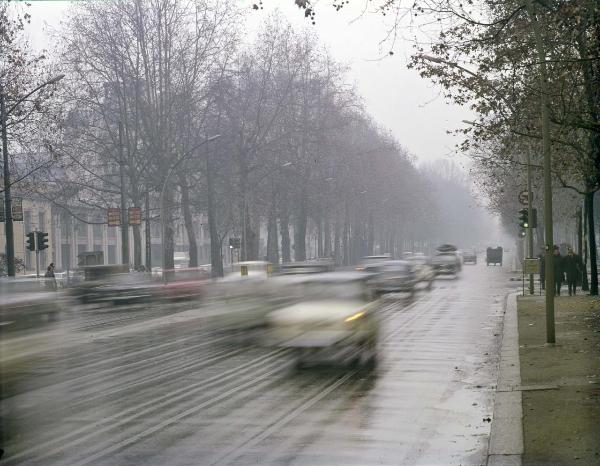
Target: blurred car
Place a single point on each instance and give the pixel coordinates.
(184, 284)
(95, 279)
(335, 322)
(393, 277)
(242, 302)
(309, 266)
(469, 256)
(424, 270)
(367, 261)
(27, 302)
(446, 261)
(128, 288)
(252, 269)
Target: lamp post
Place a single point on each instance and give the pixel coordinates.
(163, 206)
(8, 220)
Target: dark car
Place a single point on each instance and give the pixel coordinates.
(393, 276)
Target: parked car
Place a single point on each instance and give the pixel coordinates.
(469, 256)
(393, 277)
(335, 322)
(446, 261)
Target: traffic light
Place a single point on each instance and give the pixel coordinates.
(524, 218)
(42, 240)
(31, 241)
(533, 223)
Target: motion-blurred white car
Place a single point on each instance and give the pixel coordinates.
(335, 322)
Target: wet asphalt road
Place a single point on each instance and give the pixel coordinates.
(161, 386)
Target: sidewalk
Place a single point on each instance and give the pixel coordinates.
(560, 384)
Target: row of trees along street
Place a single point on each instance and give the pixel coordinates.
(502, 59)
(261, 132)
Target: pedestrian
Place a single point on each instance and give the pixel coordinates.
(572, 268)
(542, 258)
(50, 277)
(558, 269)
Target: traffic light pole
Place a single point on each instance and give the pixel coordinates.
(530, 219)
(8, 220)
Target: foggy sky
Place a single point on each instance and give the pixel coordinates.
(397, 98)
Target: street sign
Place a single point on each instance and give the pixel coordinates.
(524, 197)
(531, 265)
(17, 209)
(135, 215)
(235, 243)
(114, 217)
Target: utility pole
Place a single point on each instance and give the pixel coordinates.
(124, 213)
(530, 252)
(548, 227)
(148, 233)
(8, 220)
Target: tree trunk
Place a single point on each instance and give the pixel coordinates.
(284, 222)
(589, 197)
(216, 258)
(188, 221)
(585, 286)
(137, 247)
(168, 235)
(272, 243)
(370, 235)
(300, 232)
(320, 247)
(327, 239)
(336, 243)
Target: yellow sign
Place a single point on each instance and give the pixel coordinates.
(269, 269)
(244, 270)
(531, 266)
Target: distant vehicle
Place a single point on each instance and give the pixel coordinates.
(334, 323)
(446, 261)
(424, 270)
(393, 277)
(367, 261)
(309, 266)
(494, 256)
(252, 269)
(407, 254)
(181, 260)
(469, 256)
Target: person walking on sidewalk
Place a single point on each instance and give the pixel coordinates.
(558, 269)
(572, 267)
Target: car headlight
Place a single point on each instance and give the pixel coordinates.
(358, 315)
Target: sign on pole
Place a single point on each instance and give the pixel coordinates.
(17, 209)
(524, 197)
(135, 215)
(114, 217)
(235, 243)
(531, 265)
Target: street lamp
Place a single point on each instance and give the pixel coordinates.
(163, 207)
(8, 220)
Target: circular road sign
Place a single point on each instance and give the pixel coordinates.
(524, 197)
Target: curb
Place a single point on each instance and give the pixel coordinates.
(506, 436)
